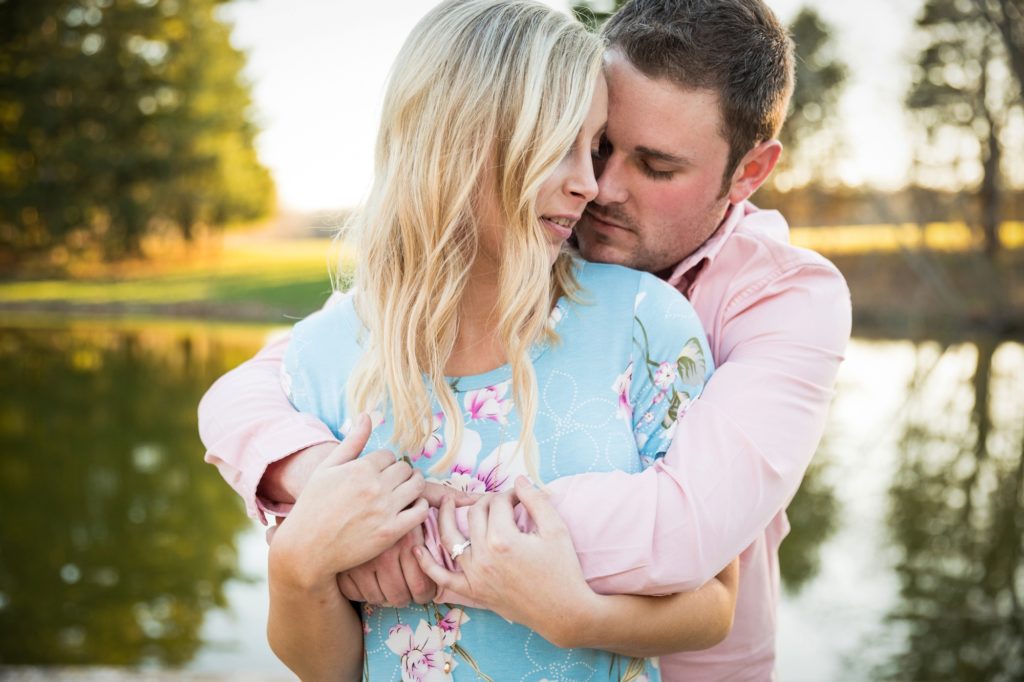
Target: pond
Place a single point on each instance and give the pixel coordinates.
(120, 547)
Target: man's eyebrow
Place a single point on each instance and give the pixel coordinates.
(663, 156)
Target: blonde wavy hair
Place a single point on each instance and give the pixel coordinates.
(484, 94)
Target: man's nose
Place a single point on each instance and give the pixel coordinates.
(611, 186)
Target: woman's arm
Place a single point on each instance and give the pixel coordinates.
(313, 629)
(350, 512)
(535, 579)
(654, 626)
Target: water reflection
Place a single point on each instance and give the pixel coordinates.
(117, 537)
(120, 546)
(813, 517)
(956, 513)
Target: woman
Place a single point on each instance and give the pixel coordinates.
(483, 166)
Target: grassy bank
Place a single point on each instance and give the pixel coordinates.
(902, 279)
(267, 280)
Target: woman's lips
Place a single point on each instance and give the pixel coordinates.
(559, 230)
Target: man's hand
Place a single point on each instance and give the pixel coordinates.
(392, 579)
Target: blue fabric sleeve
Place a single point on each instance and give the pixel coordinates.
(671, 362)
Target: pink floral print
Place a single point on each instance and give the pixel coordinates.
(494, 474)
(435, 441)
(489, 403)
(621, 386)
(423, 654)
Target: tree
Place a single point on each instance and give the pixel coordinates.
(120, 116)
(809, 135)
(965, 89)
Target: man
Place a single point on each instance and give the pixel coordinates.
(698, 90)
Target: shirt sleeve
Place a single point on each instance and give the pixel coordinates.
(246, 423)
(737, 457)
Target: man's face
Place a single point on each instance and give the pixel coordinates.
(659, 184)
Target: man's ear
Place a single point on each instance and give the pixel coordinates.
(753, 169)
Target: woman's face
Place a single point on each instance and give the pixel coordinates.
(572, 185)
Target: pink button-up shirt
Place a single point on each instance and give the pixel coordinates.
(778, 320)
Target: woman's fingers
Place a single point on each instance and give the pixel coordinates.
(445, 579)
(380, 459)
(435, 492)
(478, 519)
(353, 445)
(539, 507)
(408, 491)
(501, 522)
(407, 519)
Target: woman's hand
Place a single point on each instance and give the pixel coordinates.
(530, 578)
(349, 512)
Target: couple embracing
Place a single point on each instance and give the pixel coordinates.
(552, 431)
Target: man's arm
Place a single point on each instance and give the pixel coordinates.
(738, 455)
(249, 429)
(535, 579)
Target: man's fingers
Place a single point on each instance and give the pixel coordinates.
(353, 445)
(538, 505)
(366, 582)
(445, 579)
(420, 586)
(391, 579)
(435, 492)
(348, 588)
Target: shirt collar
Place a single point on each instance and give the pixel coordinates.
(709, 249)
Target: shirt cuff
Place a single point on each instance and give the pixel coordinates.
(274, 446)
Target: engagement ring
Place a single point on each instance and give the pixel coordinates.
(458, 549)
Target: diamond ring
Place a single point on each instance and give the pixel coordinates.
(458, 549)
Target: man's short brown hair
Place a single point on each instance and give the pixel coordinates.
(737, 48)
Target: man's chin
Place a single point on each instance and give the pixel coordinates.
(597, 252)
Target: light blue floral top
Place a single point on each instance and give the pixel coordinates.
(631, 357)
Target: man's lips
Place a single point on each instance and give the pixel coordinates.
(602, 222)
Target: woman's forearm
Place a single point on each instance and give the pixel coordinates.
(653, 626)
(313, 629)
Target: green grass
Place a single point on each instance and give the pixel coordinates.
(257, 281)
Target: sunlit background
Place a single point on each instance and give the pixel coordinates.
(171, 172)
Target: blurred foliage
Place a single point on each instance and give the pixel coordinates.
(811, 135)
(119, 538)
(813, 519)
(120, 118)
(966, 89)
(957, 515)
